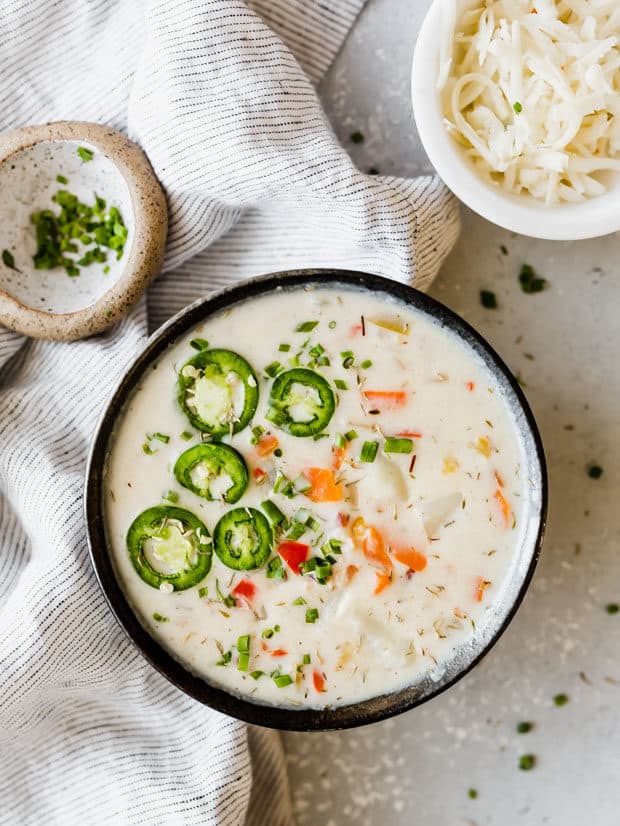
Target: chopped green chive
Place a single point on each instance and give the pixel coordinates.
(243, 644)
(488, 299)
(612, 608)
(148, 449)
(85, 154)
(274, 368)
(62, 180)
(226, 658)
(8, 260)
(171, 496)
(527, 762)
(203, 592)
(531, 282)
(284, 348)
(282, 680)
(472, 794)
(229, 600)
(106, 269)
(340, 441)
(517, 107)
(275, 569)
(348, 359)
(595, 471)
(299, 601)
(199, 344)
(306, 326)
(332, 325)
(341, 384)
(394, 444)
(257, 432)
(369, 451)
(306, 659)
(524, 727)
(161, 437)
(256, 675)
(274, 514)
(366, 364)
(160, 618)
(187, 436)
(312, 615)
(267, 633)
(350, 435)
(243, 662)
(357, 137)
(560, 700)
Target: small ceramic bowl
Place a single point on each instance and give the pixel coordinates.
(35, 163)
(518, 213)
(376, 708)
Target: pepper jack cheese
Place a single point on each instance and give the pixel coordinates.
(315, 497)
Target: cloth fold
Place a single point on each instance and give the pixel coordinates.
(220, 95)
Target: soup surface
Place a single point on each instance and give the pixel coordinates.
(316, 497)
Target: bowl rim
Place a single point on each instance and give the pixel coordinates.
(285, 718)
(517, 213)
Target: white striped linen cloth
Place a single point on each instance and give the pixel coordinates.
(220, 94)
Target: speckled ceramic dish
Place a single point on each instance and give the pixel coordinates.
(37, 161)
(393, 701)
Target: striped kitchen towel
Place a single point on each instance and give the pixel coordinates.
(220, 93)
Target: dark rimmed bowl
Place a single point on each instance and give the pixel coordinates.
(376, 708)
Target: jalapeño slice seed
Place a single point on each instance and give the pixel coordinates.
(208, 386)
(167, 544)
(214, 471)
(242, 539)
(301, 402)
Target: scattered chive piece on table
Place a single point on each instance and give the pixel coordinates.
(524, 727)
(394, 444)
(517, 107)
(312, 615)
(531, 282)
(472, 794)
(255, 675)
(504, 249)
(282, 680)
(284, 348)
(299, 601)
(341, 384)
(85, 154)
(527, 762)
(62, 180)
(306, 659)
(350, 435)
(357, 137)
(8, 260)
(560, 700)
(369, 451)
(160, 618)
(488, 299)
(612, 608)
(595, 471)
(306, 326)
(161, 437)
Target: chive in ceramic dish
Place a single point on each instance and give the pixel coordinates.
(320, 520)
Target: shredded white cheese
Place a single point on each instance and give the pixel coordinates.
(531, 90)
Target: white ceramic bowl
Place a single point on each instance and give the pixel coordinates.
(519, 213)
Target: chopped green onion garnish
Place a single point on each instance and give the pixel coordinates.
(243, 663)
(229, 600)
(160, 618)
(348, 359)
(8, 260)
(255, 675)
(267, 634)
(284, 348)
(340, 441)
(341, 384)
(350, 435)
(560, 699)
(332, 325)
(527, 762)
(282, 680)
(274, 514)
(274, 368)
(148, 449)
(257, 432)
(295, 532)
(299, 601)
(161, 437)
(394, 444)
(243, 644)
(312, 615)
(473, 794)
(524, 727)
(171, 496)
(530, 281)
(85, 154)
(226, 658)
(517, 107)
(306, 659)
(369, 451)
(366, 364)
(62, 180)
(186, 436)
(203, 592)
(275, 570)
(199, 344)
(306, 326)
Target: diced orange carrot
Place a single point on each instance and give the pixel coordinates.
(413, 559)
(386, 399)
(267, 444)
(273, 652)
(383, 580)
(356, 329)
(410, 434)
(338, 454)
(505, 507)
(499, 479)
(318, 680)
(470, 386)
(343, 519)
(350, 572)
(368, 539)
(324, 487)
(459, 613)
(481, 586)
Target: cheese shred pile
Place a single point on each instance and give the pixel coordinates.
(531, 91)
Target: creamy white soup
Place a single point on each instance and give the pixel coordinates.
(316, 497)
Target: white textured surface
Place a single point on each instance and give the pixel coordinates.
(417, 769)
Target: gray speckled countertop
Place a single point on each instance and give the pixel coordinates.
(564, 343)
